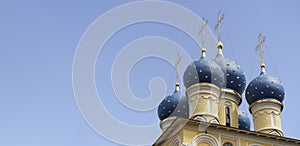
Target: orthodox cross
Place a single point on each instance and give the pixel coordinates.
(204, 24)
(259, 47)
(218, 26)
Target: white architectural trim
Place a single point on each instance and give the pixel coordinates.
(231, 95)
(214, 121)
(209, 139)
(275, 133)
(265, 105)
(267, 111)
(176, 141)
(201, 88)
(200, 118)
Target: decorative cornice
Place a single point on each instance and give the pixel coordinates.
(201, 88)
(231, 95)
(267, 112)
(215, 99)
(266, 103)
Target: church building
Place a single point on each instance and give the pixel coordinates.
(208, 113)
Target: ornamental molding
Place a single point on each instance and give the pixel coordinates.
(265, 102)
(275, 133)
(214, 121)
(198, 97)
(267, 112)
(231, 95)
(176, 141)
(275, 129)
(266, 106)
(203, 88)
(207, 138)
(200, 118)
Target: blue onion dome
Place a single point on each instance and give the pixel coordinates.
(234, 76)
(203, 71)
(244, 121)
(174, 105)
(264, 87)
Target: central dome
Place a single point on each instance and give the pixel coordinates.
(203, 71)
(234, 75)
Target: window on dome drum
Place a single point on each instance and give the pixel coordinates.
(227, 144)
(227, 114)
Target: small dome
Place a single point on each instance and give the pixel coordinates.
(234, 76)
(264, 87)
(174, 105)
(203, 71)
(244, 121)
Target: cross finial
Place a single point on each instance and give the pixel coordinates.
(178, 60)
(204, 24)
(259, 47)
(218, 26)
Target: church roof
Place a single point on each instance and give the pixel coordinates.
(181, 123)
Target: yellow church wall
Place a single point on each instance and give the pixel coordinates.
(187, 136)
(234, 112)
(249, 143)
(224, 140)
(203, 144)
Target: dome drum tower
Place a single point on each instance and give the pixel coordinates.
(228, 107)
(203, 80)
(265, 95)
(204, 101)
(266, 116)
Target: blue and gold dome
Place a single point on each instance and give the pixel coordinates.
(244, 121)
(203, 71)
(264, 87)
(234, 76)
(174, 105)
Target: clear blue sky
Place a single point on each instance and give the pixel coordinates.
(38, 41)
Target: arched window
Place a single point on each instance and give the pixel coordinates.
(205, 139)
(227, 144)
(227, 114)
(176, 141)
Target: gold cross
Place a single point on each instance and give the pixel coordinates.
(259, 47)
(204, 24)
(218, 26)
